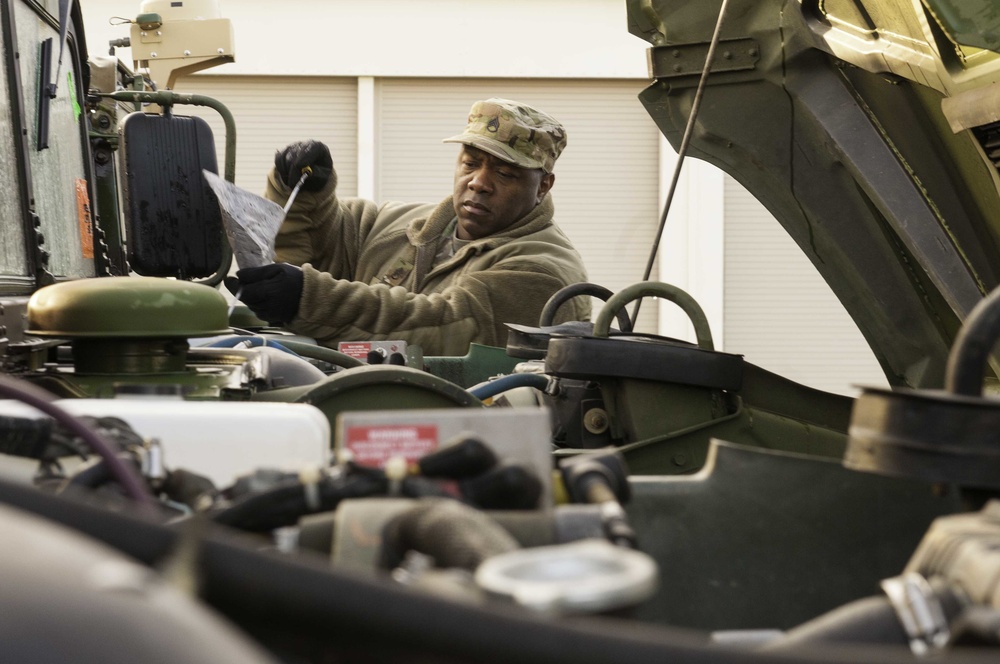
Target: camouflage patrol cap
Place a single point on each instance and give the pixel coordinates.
(514, 132)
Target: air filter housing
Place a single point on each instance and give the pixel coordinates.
(132, 307)
(128, 325)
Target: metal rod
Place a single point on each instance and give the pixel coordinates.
(306, 172)
(682, 152)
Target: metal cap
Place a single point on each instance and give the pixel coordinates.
(588, 576)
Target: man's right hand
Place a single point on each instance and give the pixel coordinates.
(272, 291)
(290, 162)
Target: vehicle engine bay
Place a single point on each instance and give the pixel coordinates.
(180, 481)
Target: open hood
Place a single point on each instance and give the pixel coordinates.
(869, 129)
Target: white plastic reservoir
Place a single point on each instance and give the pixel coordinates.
(220, 440)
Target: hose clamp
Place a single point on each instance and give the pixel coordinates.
(310, 478)
(919, 611)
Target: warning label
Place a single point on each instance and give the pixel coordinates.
(374, 445)
(356, 349)
(361, 349)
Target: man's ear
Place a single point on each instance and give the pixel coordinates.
(548, 179)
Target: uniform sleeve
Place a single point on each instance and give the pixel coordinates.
(473, 309)
(320, 228)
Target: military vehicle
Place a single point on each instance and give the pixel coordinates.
(180, 482)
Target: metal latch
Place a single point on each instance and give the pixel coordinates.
(689, 59)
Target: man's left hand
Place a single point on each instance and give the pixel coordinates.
(271, 291)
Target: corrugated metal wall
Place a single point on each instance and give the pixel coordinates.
(272, 112)
(606, 179)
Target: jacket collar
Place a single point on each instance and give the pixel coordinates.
(428, 229)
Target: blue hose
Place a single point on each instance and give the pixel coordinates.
(491, 388)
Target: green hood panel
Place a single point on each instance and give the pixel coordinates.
(899, 214)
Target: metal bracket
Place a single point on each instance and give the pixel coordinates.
(919, 611)
(679, 60)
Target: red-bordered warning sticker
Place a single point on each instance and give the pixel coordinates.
(374, 445)
(356, 349)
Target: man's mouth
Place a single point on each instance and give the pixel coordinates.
(475, 208)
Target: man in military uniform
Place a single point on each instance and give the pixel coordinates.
(439, 275)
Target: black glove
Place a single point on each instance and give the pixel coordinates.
(271, 291)
(312, 154)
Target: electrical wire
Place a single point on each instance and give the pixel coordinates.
(131, 482)
(682, 151)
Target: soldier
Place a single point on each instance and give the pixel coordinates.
(438, 275)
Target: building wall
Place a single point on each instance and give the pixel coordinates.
(335, 70)
(447, 38)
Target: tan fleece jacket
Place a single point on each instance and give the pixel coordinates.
(369, 276)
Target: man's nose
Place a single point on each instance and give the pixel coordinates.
(481, 180)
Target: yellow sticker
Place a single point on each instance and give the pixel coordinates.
(83, 217)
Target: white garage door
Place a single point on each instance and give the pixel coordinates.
(779, 313)
(606, 180)
(271, 112)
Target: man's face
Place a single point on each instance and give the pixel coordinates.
(491, 194)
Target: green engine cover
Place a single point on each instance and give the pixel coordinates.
(135, 307)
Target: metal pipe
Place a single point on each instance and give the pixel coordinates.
(168, 98)
(563, 295)
(682, 151)
(602, 324)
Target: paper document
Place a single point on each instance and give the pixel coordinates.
(251, 222)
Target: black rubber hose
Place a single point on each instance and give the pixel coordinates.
(977, 626)
(92, 476)
(871, 620)
(132, 483)
(453, 534)
(336, 613)
(25, 436)
(566, 293)
(284, 505)
(509, 486)
(467, 456)
(971, 350)
(189, 488)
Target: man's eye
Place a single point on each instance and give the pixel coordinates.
(507, 174)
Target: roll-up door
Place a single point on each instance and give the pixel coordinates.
(779, 313)
(271, 112)
(606, 187)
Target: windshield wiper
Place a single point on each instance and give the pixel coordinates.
(48, 87)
